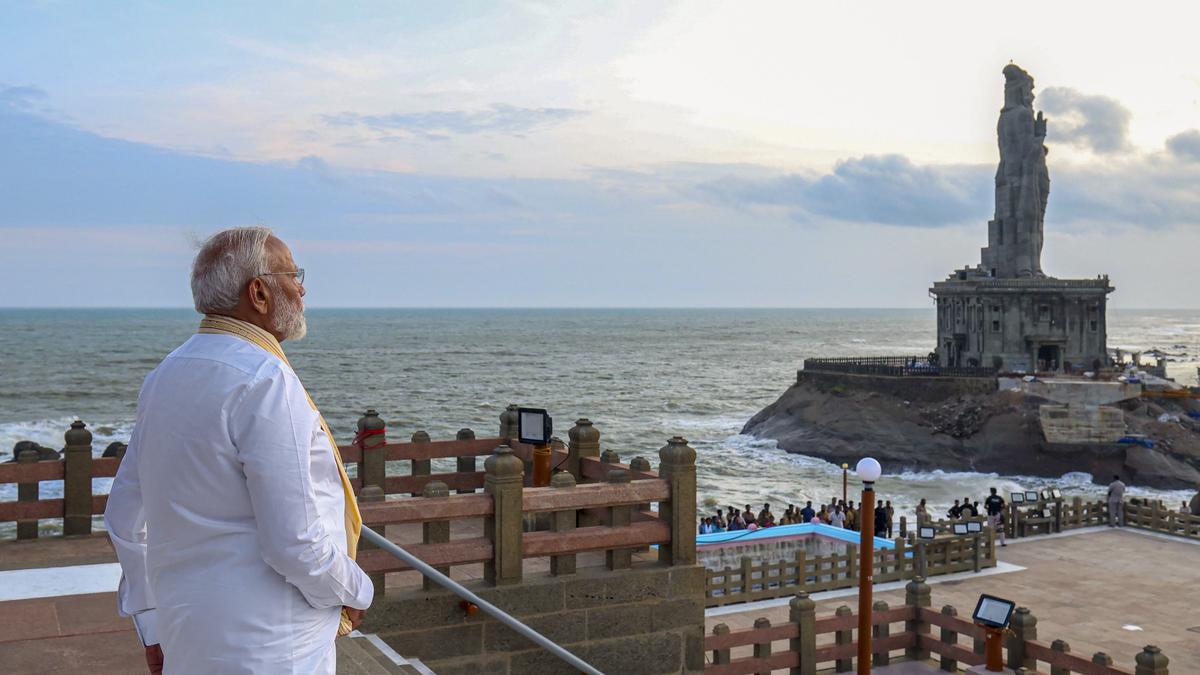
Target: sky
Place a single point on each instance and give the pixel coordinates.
(567, 154)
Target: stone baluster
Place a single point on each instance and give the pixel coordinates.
(677, 465)
(949, 638)
(1062, 647)
(372, 467)
(917, 594)
(1102, 659)
(503, 480)
(720, 656)
(802, 611)
(640, 464)
(1151, 661)
(435, 531)
(584, 441)
(1022, 627)
(843, 637)
(465, 464)
(508, 424)
(610, 456)
(880, 631)
(372, 478)
(762, 650)
(28, 492)
(903, 527)
(421, 467)
(77, 480)
(562, 521)
(1077, 511)
(618, 516)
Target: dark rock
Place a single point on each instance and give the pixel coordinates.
(115, 449)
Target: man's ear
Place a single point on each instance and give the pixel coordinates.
(259, 295)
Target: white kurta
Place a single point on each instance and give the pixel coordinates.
(228, 516)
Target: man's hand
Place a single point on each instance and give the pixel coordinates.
(154, 659)
(356, 616)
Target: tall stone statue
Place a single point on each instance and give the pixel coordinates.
(1022, 183)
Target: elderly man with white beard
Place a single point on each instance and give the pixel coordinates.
(231, 514)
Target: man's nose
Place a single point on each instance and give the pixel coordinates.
(303, 292)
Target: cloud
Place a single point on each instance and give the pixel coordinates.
(885, 189)
(436, 124)
(22, 97)
(1098, 123)
(1185, 145)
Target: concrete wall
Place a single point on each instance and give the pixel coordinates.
(906, 388)
(646, 620)
(1081, 424)
(1075, 392)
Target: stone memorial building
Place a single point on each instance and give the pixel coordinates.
(1006, 312)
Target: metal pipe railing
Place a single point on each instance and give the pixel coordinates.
(462, 592)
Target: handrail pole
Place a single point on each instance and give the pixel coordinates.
(462, 592)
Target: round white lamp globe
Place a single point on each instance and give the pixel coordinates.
(868, 469)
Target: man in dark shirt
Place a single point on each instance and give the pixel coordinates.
(807, 513)
(994, 505)
(955, 511)
(968, 511)
(881, 521)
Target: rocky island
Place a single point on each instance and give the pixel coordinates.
(1020, 381)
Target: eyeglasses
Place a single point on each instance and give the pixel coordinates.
(298, 275)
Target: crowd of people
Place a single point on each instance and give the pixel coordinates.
(838, 512)
(843, 513)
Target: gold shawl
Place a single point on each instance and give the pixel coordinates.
(226, 325)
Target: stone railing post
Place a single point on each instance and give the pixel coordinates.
(802, 611)
(421, 467)
(562, 521)
(465, 463)
(27, 492)
(1077, 511)
(508, 424)
(1100, 658)
(841, 638)
(372, 431)
(720, 656)
(619, 516)
(584, 441)
(762, 650)
(503, 480)
(1064, 648)
(949, 637)
(77, 480)
(903, 527)
(878, 632)
(678, 467)
(372, 436)
(917, 594)
(1023, 627)
(1150, 661)
(435, 531)
(640, 464)
(610, 456)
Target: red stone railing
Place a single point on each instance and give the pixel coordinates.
(806, 644)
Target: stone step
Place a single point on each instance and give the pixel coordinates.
(371, 655)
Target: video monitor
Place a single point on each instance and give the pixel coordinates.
(1056, 493)
(960, 528)
(993, 611)
(974, 526)
(926, 532)
(534, 426)
(1047, 494)
(1031, 495)
(1017, 497)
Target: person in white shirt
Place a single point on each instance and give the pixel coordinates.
(231, 515)
(837, 518)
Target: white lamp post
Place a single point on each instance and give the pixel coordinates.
(868, 470)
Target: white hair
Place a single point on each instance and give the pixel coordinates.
(225, 263)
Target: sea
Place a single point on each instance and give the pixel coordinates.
(641, 375)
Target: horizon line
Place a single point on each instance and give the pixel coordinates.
(537, 307)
